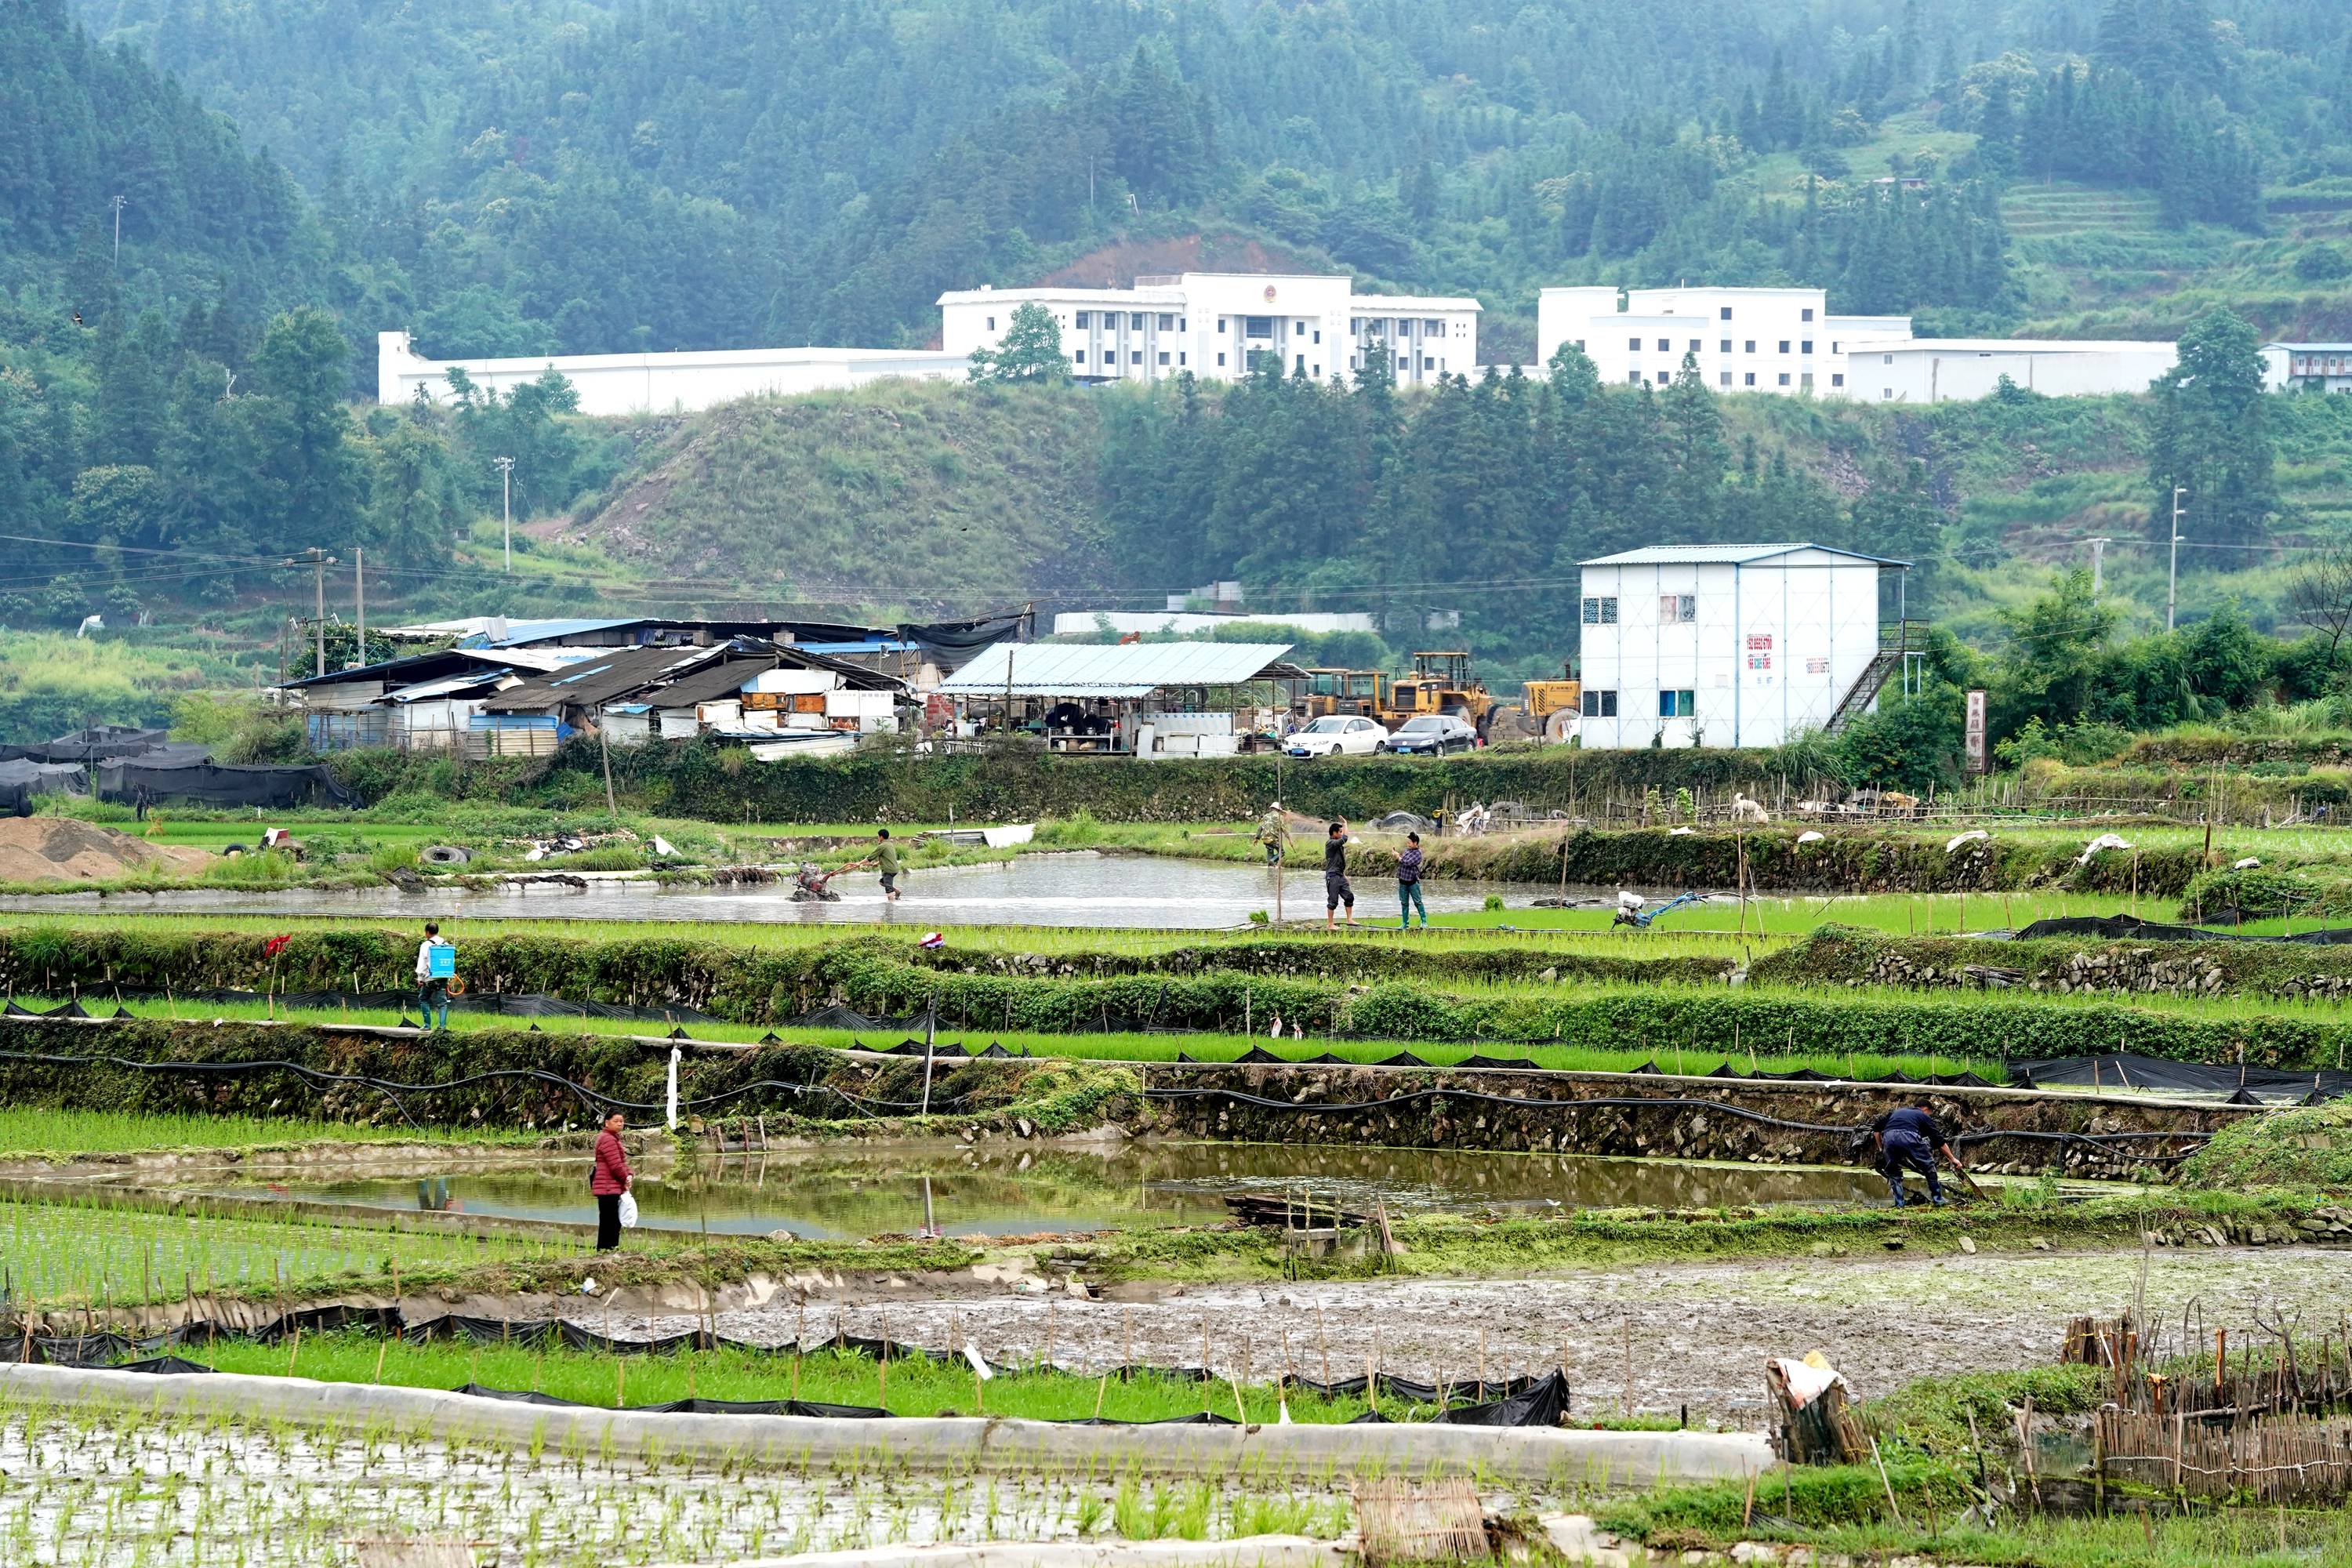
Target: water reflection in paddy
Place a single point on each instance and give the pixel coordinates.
(1011, 1190)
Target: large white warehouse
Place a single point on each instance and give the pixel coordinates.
(1214, 324)
(665, 383)
(1733, 645)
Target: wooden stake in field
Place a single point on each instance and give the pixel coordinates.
(1323, 1345)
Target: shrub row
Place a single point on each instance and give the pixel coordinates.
(1841, 955)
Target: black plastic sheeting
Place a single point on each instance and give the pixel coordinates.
(100, 742)
(1514, 1402)
(22, 779)
(515, 1004)
(1259, 1055)
(2125, 1071)
(220, 783)
(2131, 928)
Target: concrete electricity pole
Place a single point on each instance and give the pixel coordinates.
(359, 587)
(506, 504)
(318, 561)
(2172, 577)
(2098, 552)
(119, 202)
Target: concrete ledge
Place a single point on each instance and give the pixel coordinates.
(1560, 1458)
(1249, 1551)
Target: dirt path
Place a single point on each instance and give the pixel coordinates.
(1698, 1334)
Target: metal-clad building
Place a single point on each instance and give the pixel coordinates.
(1734, 645)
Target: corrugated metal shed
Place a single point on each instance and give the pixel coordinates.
(1128, 669)
(1722, 554)
(625, 672)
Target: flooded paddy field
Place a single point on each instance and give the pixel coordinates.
(106, 1489)
(1077, 889)
(957, 1191)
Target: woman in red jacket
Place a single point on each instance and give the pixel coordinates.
(608, 1181)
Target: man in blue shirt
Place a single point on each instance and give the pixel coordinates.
(1909, 1139)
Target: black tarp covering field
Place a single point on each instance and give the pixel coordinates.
(206, 783)
(2131, 928)
(518, 1004)
(2125, 1071)
(1540, 1401)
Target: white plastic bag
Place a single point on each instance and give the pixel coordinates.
(628, 1211)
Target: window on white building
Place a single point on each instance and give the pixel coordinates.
(1317, 336)
(1599, 705)
(1835, 347)
(1677, 704)
(1886, 359)
(1257, 326)
(1300, 363)
(1726, 345)
(1220, 359)
(1134, 356)
(1806, 314)
(1784, 378)
(1601, 611)
(992, 324)
(1723, 313)
(1167, 321)
(1664, 377)
(1885, 391)
(1077, 357)
(1300, 327)
(1806, 346)
(1751, 379)
(1079, 320)
(1784, 345)
(1405, 362)
(1724, 379)
(1180, 326)
(1806, 380)
(1694, 348)
(1750, 348)
(1179, 359)
(1678, 609)
(1437, 327)
(1837, 379)
(1164, 356)
(1665, 345)
(1632, 378)
(1135, 321)
(1633, 343)
(1427, 362)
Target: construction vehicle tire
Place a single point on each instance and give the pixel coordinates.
(1561, 725)
(1510, 723)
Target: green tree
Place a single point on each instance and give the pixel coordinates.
(2208, 437)
(2050, 669)
(1030, 350)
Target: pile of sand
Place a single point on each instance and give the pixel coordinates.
(65, 849)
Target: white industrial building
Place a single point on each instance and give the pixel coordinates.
(1733, 645)
(615, 385)
(1214, 324)
(1786, 341)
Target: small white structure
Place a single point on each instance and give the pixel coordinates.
(1732, 645)
(614, 385)
(2307, 367)
(1185, 623)
(1214, 324)
(1786, 341)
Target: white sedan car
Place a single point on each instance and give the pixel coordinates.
(1338, 734)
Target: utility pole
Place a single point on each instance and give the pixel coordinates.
(359, 585)
(119, 202)
(2098, 554)
(2172, 577)
(318, 561)
(506, 502)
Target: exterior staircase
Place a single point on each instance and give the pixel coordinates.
(1894, 640)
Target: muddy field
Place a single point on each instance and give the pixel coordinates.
(1694, 1334)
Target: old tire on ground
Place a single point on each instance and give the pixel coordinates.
(229, 851)
(443, 855)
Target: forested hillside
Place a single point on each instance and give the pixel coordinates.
(525, 175)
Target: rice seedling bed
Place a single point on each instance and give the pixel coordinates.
(904, 1387)
(31, 1131)
(88, 1252)
(176, 1491)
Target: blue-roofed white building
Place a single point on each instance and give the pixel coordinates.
(1734, 645)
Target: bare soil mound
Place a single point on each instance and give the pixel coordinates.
(67, 849)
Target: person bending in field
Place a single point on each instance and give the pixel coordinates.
(1909, 1139)
(1336, 890)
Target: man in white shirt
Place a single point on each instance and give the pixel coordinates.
(432, 990)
